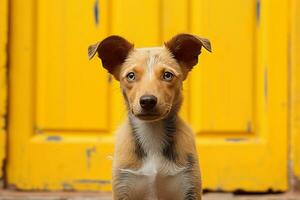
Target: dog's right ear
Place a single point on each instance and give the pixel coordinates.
(186, 48)
(112, 51)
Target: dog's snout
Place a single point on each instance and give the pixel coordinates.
(148, 102)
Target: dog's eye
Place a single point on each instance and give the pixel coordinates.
(130, 76)
(168, 76)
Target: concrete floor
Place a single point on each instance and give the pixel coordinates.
(12, 195)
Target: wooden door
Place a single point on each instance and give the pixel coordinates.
(63, 109)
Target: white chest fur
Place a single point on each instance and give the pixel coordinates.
(152, 139)
(158, 177)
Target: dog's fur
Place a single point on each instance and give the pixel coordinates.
(155, 155)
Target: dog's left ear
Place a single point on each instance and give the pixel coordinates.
(186, 48)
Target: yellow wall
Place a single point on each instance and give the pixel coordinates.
(3, 59)
(295, 88)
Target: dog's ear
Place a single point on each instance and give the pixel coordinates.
(186, 48)
(112, 51)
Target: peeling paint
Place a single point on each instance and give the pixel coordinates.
(97, 181)
(88, 153)
(258, 11)
(67, 187)
(235, 139)
(96, 12)
(54, 138)
(266, 86)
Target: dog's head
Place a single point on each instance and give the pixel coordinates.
(151, 78)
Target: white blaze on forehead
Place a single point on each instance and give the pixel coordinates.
(150, 65)
(152, 53)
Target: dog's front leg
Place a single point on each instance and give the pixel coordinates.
(192, 185)
(128, 186)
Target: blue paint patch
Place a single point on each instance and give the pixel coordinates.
(258, 11)
(88, 153)
(96, 12)
(53, 138)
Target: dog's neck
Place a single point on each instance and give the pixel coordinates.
(152, 138)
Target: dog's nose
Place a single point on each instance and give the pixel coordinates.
(148, 102)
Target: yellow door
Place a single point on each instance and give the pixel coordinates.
(3, 84)
(63, 109)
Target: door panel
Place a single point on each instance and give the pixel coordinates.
(238, 97)
(144, 32)
(72, 93)
(223, 99)
(235, 100)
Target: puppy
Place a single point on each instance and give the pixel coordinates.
(155, 153)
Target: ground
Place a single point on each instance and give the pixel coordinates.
(12, 195)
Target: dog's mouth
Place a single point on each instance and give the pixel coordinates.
(151, 116)
(148, 116)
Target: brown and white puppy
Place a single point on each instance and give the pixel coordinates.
(155, 154)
